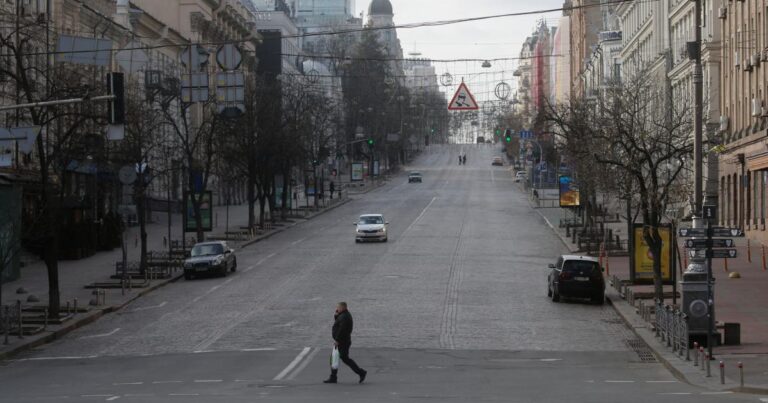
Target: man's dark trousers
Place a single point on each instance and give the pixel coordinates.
(344, 356)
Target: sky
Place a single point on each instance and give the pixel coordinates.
(489, 39)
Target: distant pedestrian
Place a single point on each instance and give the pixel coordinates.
(332, 188)
(342, 339)
(464, 159)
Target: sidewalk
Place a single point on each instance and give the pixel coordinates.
(738, 300)
(75, 275)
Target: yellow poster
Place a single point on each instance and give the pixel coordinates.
(644, 260)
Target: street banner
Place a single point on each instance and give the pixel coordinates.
(643, 262)
(206, 213)
(357, 172)
(569, 192)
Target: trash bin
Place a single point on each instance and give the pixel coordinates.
(732, 334)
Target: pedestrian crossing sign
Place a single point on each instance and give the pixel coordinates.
(463, 100)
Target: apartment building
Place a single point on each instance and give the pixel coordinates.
(744, 121)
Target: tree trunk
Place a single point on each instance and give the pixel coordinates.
(251, 203)
(51, 257)
(655, 245)
(286, 194)
(141, 212)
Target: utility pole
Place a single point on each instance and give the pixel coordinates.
(698, 84)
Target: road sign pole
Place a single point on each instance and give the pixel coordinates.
(710, 300)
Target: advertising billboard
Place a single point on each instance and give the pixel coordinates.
(206, 213)
(569, 192)
(643, 260)
(357, 172)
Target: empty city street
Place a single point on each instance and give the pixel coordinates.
(453, 308)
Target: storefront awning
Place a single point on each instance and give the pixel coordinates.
(758, 162)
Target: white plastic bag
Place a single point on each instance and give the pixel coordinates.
(335, 358)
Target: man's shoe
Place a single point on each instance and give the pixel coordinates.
(362, 377)
(330, 380)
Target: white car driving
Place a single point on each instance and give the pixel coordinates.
(371, 227)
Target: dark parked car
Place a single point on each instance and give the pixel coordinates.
(576, 277)
(210, 258)
(414, 177)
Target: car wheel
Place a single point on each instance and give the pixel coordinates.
(187, 276)
(555, 296)
(385, 240)
(599, 299)
(234, 265)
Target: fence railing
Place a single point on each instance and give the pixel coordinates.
(671, 326)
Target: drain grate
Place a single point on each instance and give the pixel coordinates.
(641, 349)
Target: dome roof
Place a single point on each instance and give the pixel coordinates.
(380, 7)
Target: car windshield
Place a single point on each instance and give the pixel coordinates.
(372, 220)
(582, 266)
(415, 174)
(207, 250)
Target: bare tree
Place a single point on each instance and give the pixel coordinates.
(641, 142)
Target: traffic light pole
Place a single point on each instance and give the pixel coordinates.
(57, 102)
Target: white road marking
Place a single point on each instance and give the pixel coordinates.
(165, 382)
(96, 395)
(416, 221)
(619, 381)
(160, 305)
(208, 380)
(183, 394)
(271, 256)
(676, 393)
(251, 350)
(203, 351)
(303, 364)
(293, 364)
(764, 399)
(247, 269)
(94, 336)
(87, 357)
(212, 289)
(127, 383)
(550, 359)
(138, 395)
(717, 393)
(113, 398)
(299, 241)
(660, 381)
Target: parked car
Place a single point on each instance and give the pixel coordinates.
(371, 227)
(210, 258)
(576, 277)
(520, 176)
(497, 161)
(414, 177)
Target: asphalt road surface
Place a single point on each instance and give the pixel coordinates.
(452, 309)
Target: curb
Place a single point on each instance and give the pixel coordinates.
(282, 229)
(557, 233)
(672, 363)
(86, 319)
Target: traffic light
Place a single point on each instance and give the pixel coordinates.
(508, 136)
(371, 142)
(433, 130)
(498, 132)
(116, 87)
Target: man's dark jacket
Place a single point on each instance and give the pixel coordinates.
(342, 328)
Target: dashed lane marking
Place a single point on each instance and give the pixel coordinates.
(146, 308)
(293, 364)
(183, 394)
(303, 365)
(209, 380)
(247, 269)
(95, 336)
(660, 381)
(113, 398)
(613, 381)
(127, 383)
(717, 393)
(676, 394)
(416, 221)
(96, 395)
(251, 350)
(165, 382)
(550, 359)
(299, 241)
(87, 357)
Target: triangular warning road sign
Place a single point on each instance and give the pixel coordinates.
(463, 100)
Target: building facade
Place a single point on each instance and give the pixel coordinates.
(744, 122)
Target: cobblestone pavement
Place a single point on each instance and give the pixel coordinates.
(457, 294)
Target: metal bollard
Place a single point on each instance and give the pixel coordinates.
(21, 320)
(741, 374)
(7, 320)
(67, 308)
(696, 354)
(722, 373)
(703, 358)
(709, 366)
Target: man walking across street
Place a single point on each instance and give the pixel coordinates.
(342, 339)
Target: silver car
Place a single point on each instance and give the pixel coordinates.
(210, 258)
(371, 227)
